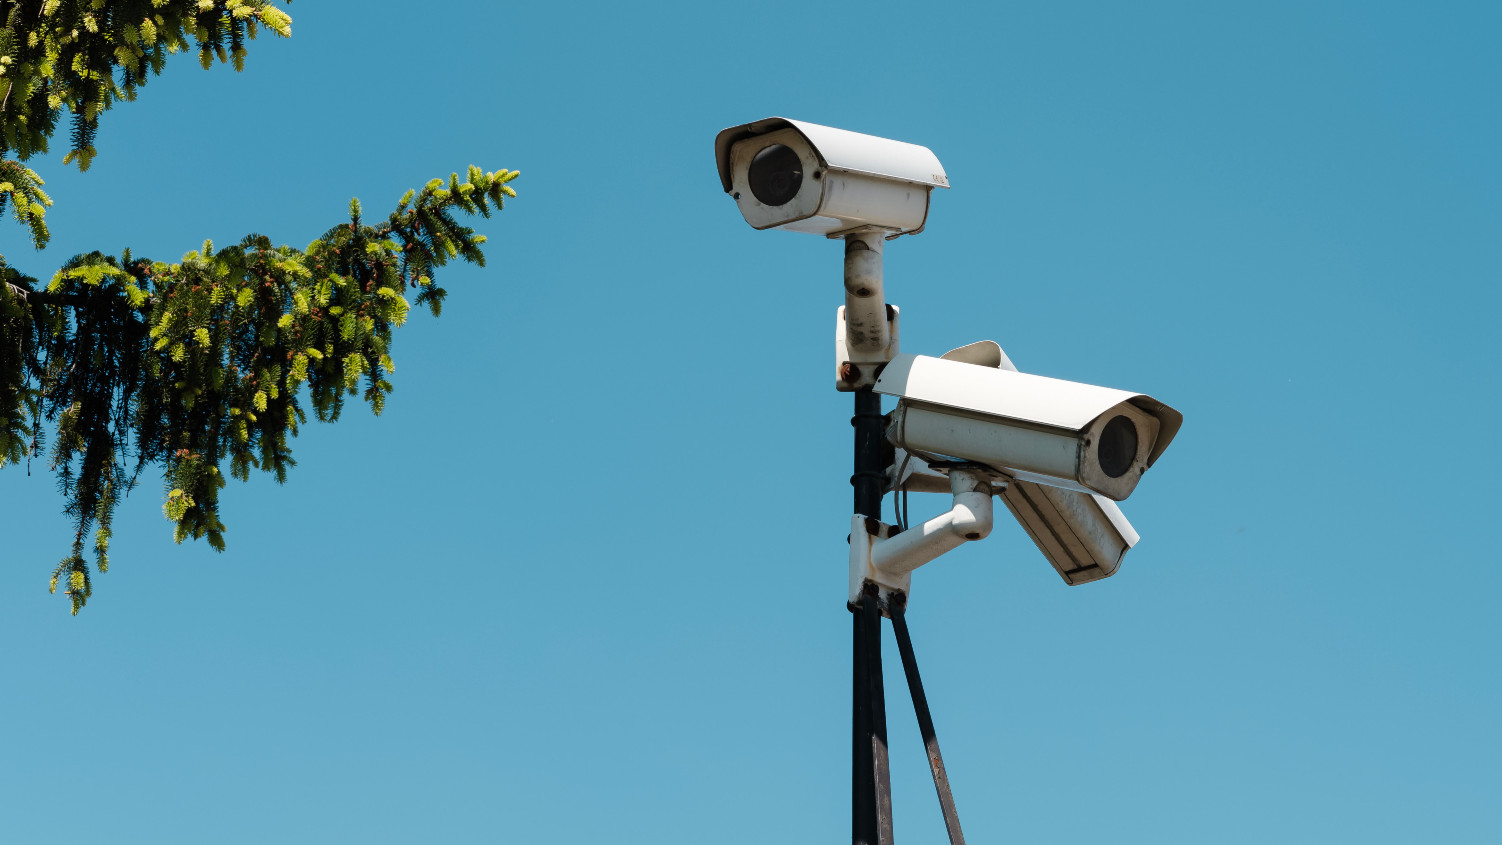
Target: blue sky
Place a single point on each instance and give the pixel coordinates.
(584, 579)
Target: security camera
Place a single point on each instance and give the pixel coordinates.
(803, 177)
(1085, 536)
(1041, 430)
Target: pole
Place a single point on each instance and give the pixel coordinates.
(881, 772)
(871, 789)
(863, 774)
(867, 332)
(870, 462)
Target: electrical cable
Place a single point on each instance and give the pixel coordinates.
(899, 506)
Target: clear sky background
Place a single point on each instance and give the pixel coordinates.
(584, 580)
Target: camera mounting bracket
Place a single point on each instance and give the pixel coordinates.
(886, 557)
(866, 326)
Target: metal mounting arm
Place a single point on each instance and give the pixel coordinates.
(887, 558)
(866, 326)
(865, 301)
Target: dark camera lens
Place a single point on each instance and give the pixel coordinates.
(776, 175)
(1117, 449)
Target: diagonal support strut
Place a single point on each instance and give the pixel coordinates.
(925, 721)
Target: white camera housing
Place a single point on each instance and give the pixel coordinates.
(1084, 536)
(826, 181)
(1032, 428)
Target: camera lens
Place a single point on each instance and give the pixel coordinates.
(776, 175)
(1117, 449)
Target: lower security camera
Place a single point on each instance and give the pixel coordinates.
(803, 177)
(1035, 429)
(1084, 535)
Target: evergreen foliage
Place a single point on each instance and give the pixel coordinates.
(86, 55)
(205, 366)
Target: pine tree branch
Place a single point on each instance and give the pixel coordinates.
(205, 367)
(80, 59)
(73, 300)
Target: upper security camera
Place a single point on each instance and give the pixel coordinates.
(803, 177)
(1043, 430)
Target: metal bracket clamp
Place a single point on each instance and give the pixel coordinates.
(864, 532)
(854, 368)
(866, 327)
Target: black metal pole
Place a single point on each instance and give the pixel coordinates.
(863, 775)
(870, 450)
(925, 722)
(871, 789)
(880, 769)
